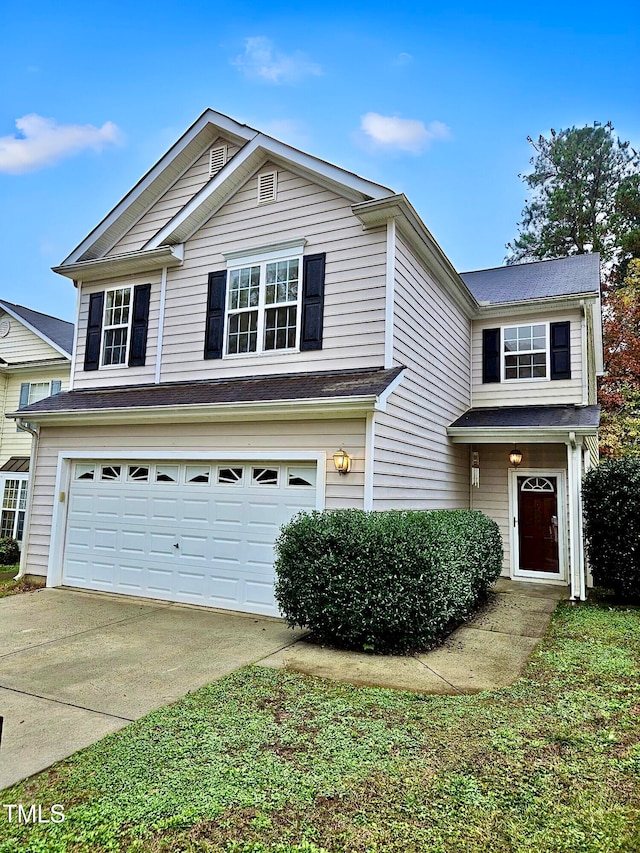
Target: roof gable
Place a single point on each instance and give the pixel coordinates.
(255, 148)
(53, 331)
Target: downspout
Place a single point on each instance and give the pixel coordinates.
(576, 554)
(35, 435)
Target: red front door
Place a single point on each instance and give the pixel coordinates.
(538, 524)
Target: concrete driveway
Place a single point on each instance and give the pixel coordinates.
(75, 666)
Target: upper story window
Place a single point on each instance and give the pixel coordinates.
(263, 307)
(116, 326)
(535, 351)
(525, 351)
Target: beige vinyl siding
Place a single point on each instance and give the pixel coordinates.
(324, 435)
(354, 308)
(12, 441)
(22, 345)
(120, 374)
(415, 463)
(525, 392)
(171, 202)
(492, 497)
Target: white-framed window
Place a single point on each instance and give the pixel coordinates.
(116, 326)
(263, 306)
(525, 352)
(14, 505)
(39, 391)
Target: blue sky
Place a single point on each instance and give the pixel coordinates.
(433, 99)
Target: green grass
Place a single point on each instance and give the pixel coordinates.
(266, 761)
(10, 587)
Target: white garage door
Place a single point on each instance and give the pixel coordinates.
(198, 533)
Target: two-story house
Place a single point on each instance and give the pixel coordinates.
(260, 332)
(35, 362)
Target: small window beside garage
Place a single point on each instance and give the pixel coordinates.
(301, 477)
(167, 473)
(110, 472)
(264, 476)
(138, 474)
(198, 474)
(230, 476)
(85, 471)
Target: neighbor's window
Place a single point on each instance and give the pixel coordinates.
(116, 326)
(14, 504)
(525, 351)
(263, 306)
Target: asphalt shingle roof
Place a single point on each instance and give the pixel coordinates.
(58, 331)
(567, 417)
(561, 277)
(292, 386)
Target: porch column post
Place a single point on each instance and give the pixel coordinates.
(574, 487)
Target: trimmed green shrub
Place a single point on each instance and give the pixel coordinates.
(611, 496)
(9, 552)
(384, 581)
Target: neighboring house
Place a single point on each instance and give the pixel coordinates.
(246, 313)
(35, 360)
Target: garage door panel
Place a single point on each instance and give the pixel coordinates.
(106, 506)
(122, 532)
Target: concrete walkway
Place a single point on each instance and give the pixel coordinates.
(75, 666)
(488, 652)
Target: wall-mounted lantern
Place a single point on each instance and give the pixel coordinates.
(342, 461)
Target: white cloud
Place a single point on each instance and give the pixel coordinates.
(262, 61)
(42, 142)
(403, 59)
(405, 134)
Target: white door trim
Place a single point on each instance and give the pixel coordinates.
(63, 481)
(514, 524)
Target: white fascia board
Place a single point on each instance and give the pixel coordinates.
(144, 260)
(43, 337)
(533, 306)
(507, 435)
(208, 117)
(26, 366)
(334, 407)
(375, 213)
(256, 152)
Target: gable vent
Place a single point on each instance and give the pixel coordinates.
(267, 185)
(217, 159)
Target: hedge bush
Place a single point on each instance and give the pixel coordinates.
(611, 496)
(384, 581)
(9, 552)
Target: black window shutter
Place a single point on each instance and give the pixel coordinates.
(491, 355)
(213, 338)
(139, 325)
(312, 301)
(560, 350)
(94, 332)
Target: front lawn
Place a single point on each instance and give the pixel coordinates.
(7, 584)
(269, 762)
